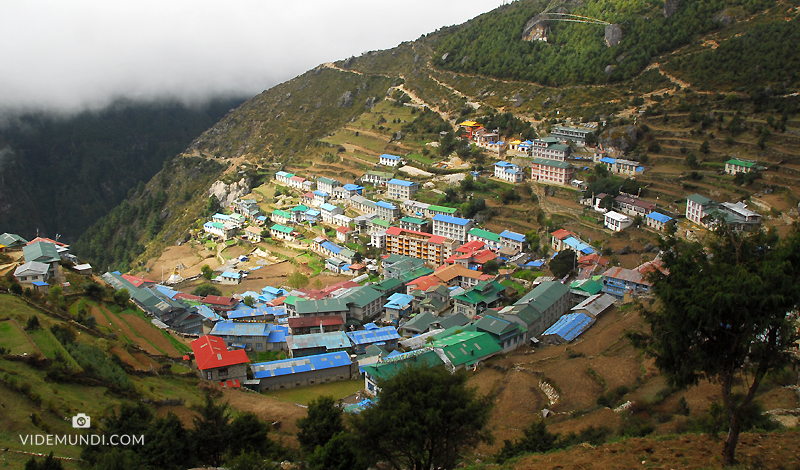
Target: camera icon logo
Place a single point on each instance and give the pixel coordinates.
(81, 421)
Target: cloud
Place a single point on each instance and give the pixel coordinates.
(68, 56)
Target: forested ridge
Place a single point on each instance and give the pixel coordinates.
(61, 174)
(576, 53)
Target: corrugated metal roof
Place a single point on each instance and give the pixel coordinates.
(332, 340)
(308, 363)
(570, 326)
(373, 336)
(451, 220)
(241, 329)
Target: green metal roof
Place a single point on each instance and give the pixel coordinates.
(415, 274)
(381, 223)
(281, 228)
(543, 296)
(484, 291)
(420, 321)
(548, 162)
(468, 347)
(737, 162)
(280, 213)
(587, 285)
(446, 210)
(698, 199)
(305, 307)
(413, 220)
(485, 234)
(300, 208)
(388, 368)
(41, 252)
(361, 296)
(291, 299)
(325, 180)
(387, 285)
(382, 174)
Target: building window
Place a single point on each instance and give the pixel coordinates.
(208, 375)
(223, 372)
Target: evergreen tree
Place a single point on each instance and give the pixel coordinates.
(324, 420)
(212, 431)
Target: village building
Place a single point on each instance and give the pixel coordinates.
(433, 249)
(216, 363)
(389, 160)
(513, 240)
(386, 368)
(708, 213)
(507, 334)
(490, 239)
(617, 222)
(734, 166)
(309, 370)
(282, 232)
(317, 343)
(281, 217)
(622, 167)
(416, 224)
(658, 221)
(539, 308)
(387, 211)
(397, 306)
(508, 172)
(484, 295)
(253, 233)
(633, 205)
(595, 305)
(320, 197)
(42, 252)
(575, 134)
(467, 349)
(327, 185)
(434, 210)
(455, 228)
(247, 208)
(548, 148)
(12, 241)
(386, 337)
(415, 208)
(400, 190)
(283, 177)
(376, 178)
(247, 336)
(567, 328)
(32, 271)
(551, 171)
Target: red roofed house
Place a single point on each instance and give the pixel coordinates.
(220, 304)
(47, 240)
(138, 281)
(342, 234)
(558, 238)
(472, 255)
(215, 362)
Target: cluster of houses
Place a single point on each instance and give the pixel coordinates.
(245, 215)
(625, 208)
(43, 258)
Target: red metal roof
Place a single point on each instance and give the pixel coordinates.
(326, 320)
(184, 296)
(231, 383)
(276, 302)
(45, 240)
(471, 247)
(137, 281)
(211, 353)
(343, 229)
(397, 231)
(561, 234)
(220, 301)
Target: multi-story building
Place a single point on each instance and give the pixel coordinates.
(320, 197)
(282, 232)
(513, 240)
(328, 211)
(575, 134)
(619, 281)
(455, 228)
(633, 205)
(434, 210)
(363, 205)
(248, 336)
(400, 190)
(433, 249)
(549, 148)
(376, 178)
(387, 211)
(708, 213)
(508, 172)
(617, 222)
(415, 208)
(484, 295)
(551, 171)
(222, 230)
(389, 160)
(658, 221)
(283, 177)
(491, 239)
(416, 224)
(281, 217)
(327, 184)
(215, 362)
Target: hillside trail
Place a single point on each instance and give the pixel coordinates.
(420, 103)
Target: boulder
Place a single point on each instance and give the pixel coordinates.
(622, 138)
(613, 35)
(227, 193)
(671, 7)
(346, 100)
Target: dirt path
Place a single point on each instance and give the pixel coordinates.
(420, 103)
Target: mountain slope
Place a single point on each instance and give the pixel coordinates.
(60, 175)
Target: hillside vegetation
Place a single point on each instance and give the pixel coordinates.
(59, 175)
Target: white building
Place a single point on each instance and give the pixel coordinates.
(329, 211)
(617, 222)
(454, 228)
(400, 190)
(327, 184)
(389, 160)
(378, 239)
(507, 172)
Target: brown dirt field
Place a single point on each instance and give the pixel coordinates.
(174, 255)
(761, 450)
(576, 389)
(565, 202)
(126, 357)
(145, 360)
(602, 417)
(126, 330)
(147, 330)
(780, 398)
(269, 410)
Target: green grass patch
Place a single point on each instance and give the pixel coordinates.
(182, 348)
(179, 369)
(515, 285)
(49, 346)
(303, 395)
(267, 356)
(14, 338)
(420, 158)
(527, 274)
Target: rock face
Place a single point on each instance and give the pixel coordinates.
(613, 35)
(536, 29)
(671, 7)
(620, 137)
(346, 100)
(227, 193)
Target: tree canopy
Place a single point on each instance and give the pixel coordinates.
(725, 313)
(424, 419)
(563, 263)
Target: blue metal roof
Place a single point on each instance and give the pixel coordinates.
(302, 364)
(313, 212)
(256, 312)
(277, 292)
(608, 160)
(451, 220)
(517, 237)
(400, 182)
(208, 313)
(39, 283)
(390, 157)
(659, 217)
(569, 326)
(231, 274)
(399, 301)
(171, 293)
(504, 164)
(386, 205)
(327, 207)
(241, 329)
(352, 187)
(331, 246)
(320, 193)
(373, 336)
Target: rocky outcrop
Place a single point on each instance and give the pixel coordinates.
(227, 193)
(613, 35)
(671, 7)
(346, 100)
(622, 138)
(536, 29)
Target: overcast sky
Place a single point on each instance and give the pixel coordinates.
(70, 55)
